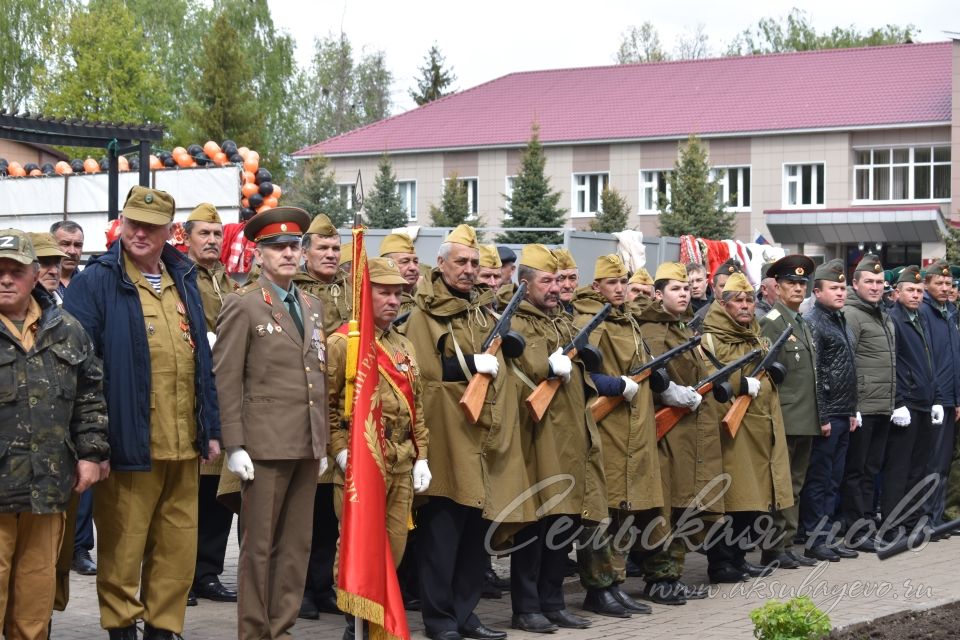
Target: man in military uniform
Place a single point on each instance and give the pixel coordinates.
(53, 426)
(508, 260)
(140, 304)
(49, 257)
(399, 248)
(204, 232)
(568, 277)
(640, 286)
(628, 441)
(270, 363)
(720, 275)
(756, 459)
(767, 292)
(490, 273)
(564, 441)
(477, 468)
(798, 395)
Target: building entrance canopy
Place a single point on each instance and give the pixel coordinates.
(842, 226)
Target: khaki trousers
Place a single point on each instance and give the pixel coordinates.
(65, 559)
(29, 544)
(277, 528)
(146, 544)
(399, 505)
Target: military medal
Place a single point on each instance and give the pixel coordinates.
(278, 328)
(277, 316)
(797, 355)
(266, 297)
(185, 325)
(270, 328)
(151, 329)
(261, 330)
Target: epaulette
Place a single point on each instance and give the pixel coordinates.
(773, 315)
(247, 288)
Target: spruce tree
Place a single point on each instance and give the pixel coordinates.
(315, 191)
(614, 212)
(533, 203)
(694, 207)
(433, 78)
(382, 207)
(454, 206)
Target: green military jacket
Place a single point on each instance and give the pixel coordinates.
(875, 354)
(798, 392)
(52, 411)
(214, 285)
(336, 296)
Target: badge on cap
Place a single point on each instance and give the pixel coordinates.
(916, 276)
(731, 269)
(877, 268)
(799, 271)
(283, 227)
(148, 198)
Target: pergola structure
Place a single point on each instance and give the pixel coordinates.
(115, 138)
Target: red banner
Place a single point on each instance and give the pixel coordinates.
(367, 581)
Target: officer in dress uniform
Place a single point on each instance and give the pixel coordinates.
(270, 365)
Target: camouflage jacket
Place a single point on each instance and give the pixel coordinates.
(52, 411)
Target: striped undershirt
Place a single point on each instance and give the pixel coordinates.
(154, 280)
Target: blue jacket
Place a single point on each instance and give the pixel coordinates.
(915, 383)
(945, 344)
(107, 304)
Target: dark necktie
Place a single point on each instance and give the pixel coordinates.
(291, 302)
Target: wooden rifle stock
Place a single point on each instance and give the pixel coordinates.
(472, 400)
(668, 417)
(540, 398)
(731, 421)
(603, 405)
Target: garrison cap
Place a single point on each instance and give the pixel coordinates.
(321, 226)
(346, 253)
(44, 246)
(279, 225)
(16, 245)
(537, 256)
(564, 259)
(832, 271)
(729, 268)
(869, 263)
(939, 268)
(910, 274)
(671, 271)
(738, 283)
(955, 271)
(795, 267)
(609, 266)
(149, 206)
(489, 257)
(642, 276)
(397, 243)
(384, 271)
(465, 235)
(205, 212)
(507, 255)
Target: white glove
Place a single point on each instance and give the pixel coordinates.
(859, 420)
(421, 476)
(936, 414)
(753, 386)
(486, 363)
(324, 465)
(239, 463)
(211, 338)
(342, 460)
(901, 416)
(630, 388)
(693, 398)
(674, 395)
(560, 364)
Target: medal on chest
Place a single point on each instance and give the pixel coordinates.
(185, 325)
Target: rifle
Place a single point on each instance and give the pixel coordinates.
(668, 417)
(540, 398)
(659, 380)
(512, 343)
(768, 366)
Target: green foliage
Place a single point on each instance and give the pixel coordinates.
(29, 34)
(533, 202)
(433, 78)
(614, 214)
(641, 44)
(952, 240)
(796, 619)
(454, 206)
(382, 208)
(693, 207)
(222, 104)
(314, 189)
(796, 33)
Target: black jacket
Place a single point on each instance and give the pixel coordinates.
(945, 341)
(836, 370)
(915, 385)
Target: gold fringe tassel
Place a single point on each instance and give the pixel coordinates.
(367, 609)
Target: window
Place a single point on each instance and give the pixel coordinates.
(734, 187)
(587, 189)
(902, 173)
(653, 185)
(471, 185)
(407, 190)
(509, 184)
(346, 195)
(803, 185)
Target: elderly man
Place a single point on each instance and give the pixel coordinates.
(490, 273)
(640, 286)
(270, 362)
(767, 293)
(54, 428)
(49, 257)
(140, 304)
(399, 248)
(508, 260)
(756, 459)
(477, 468)
(69, 237)
(568, 278)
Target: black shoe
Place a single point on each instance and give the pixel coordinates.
(152, 633)
(628, 603)
(754, 570)
(191, 598)
(83, 563)
(565, 619)
(308, 609)
(532, 622)
(482, 632)
(801, 559)
(490, 577)
(123, 633)
(669, 592)
(412, 603)
(822, 552)
(212, 589)
(867, 545)
(602, 602)
(726, 575)
(844, 551)
(328, 604)
(693, 592)
(776, 560)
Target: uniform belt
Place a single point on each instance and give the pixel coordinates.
(396, 434)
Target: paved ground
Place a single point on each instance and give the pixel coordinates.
(852, 591)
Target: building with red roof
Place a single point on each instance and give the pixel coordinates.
(830, 152)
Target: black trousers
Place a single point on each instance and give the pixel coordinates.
(730, 549)
(865, 455)
(941, 457)
(904, 466)
(213, 530)
(450, 554)
(323, 547)
(538, 568)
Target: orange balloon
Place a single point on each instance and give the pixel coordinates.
(219, 158)
(277, 192)
(177, 151)
(264, 207)
(249, 177)
(15, 169)
(36, 172)
(243, 151)
(211, 148)
(123, 164)
(92, 166)
(244, 202)
(248, 189)
(253, 155)
(155, 162)
(63, 168)
(183, 160)
(270, 202)
(251, 165)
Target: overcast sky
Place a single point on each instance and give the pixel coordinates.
(490, 38)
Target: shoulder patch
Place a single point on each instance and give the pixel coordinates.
(773, 315)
